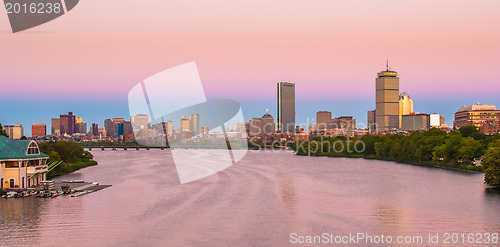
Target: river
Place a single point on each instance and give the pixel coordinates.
(266, 199)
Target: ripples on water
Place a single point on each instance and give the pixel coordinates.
(258, 202)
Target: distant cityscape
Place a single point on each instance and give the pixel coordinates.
(393, 113)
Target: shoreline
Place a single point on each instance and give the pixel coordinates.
(457, 169)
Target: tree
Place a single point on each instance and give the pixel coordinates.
(2, 131)
(469, 149)
(491, 163)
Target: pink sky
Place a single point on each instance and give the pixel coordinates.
(328, 47)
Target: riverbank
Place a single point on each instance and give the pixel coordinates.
(464, 149)
(71, 168)
(70, 157)
(466, 169)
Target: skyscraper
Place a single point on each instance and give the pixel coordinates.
(323, 120)
(108, 125)
(15, 132)
(185, 123)
(67, 123)
(55, 126)
(387, 100)
(268, 125)
(139, 121)
(286, 107)
(38, 129)
(94, 129)
(405, 106)
(195, 124)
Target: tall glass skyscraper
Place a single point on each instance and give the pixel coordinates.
(286, 107)
(387, 100)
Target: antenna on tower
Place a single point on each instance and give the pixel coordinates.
(387, 64)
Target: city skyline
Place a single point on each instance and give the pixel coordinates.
(306, 111)
(331, 55)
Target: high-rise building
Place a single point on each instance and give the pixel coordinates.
(67, 123)
(108, 125)
(476, 115)
(347, 124)
(118, 120)
(78, 120)
(94, 129)
(195, 124)
(139, 121)
(185, 123)
(15, 132)
(387, 100)
(55, 124)
(323, 120)
(81, 127)
(436, 120)
(416, 121)
(286, 107)
(268, 125)
(405, 106)
(372, 126)
(38, 129)
(118, 129)
(256, 127)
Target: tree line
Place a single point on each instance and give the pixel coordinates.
(462, 148)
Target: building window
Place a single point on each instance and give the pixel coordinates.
(11, 183)
(33, 148)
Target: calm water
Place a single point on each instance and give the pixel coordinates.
(258, 202)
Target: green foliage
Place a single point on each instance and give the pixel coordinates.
(2, 131)
(72, 155)
(491, 163)
(457, 149)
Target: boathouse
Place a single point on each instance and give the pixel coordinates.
(22, 165)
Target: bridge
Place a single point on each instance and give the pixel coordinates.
(124, 148)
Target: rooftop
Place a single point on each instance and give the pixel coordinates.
(19, 149)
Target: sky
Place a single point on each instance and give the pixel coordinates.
(447, 54)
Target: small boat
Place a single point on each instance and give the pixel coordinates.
(10, 194)
(54, 194)
(26, 194)
(77, 194)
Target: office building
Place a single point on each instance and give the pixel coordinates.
(286, 107)
(38, 129)
(387, 100)
(268, 125)
(416, 121)
(323, 120)
(194, 124)
(140, 121)
(371, 121)
(118, 129)
(405, 106)
(436, 120)
(256, 127)
(15, 132)
(67, 123)
(476, 115)
(347, 125)
(490, 127)
(109, 126)
(55, 125)
(185, 124)
(81, 127)
(94, 129)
